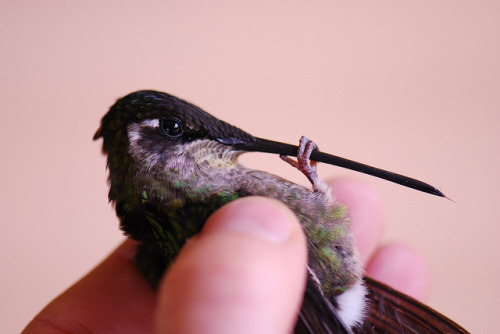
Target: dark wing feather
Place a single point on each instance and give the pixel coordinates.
(317, 315)
(391, 311)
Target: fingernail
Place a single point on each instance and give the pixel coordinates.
(261, 218)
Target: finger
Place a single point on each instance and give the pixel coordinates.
(112, 298)
(366, 212)
(244, 273)
(402, 268)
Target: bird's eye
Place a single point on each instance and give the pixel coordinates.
(171, 127)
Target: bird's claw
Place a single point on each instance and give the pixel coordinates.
(303, 163)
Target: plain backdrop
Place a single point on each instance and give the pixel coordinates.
(411, 87)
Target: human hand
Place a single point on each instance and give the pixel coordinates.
(396, 265)
(243, 273)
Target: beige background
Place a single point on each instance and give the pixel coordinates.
(410, 87)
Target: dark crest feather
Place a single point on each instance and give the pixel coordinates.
(148, 104)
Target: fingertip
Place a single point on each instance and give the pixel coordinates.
(403, 268)
(241, 274)
(260, 217)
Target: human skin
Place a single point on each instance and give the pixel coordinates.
(244, 273)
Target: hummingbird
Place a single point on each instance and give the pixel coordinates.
(171, 165)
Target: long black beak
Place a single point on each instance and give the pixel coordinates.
(268, 146)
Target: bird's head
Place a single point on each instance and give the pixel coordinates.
(149, 124)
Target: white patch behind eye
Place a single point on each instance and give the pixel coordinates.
(153, 123)
(134, 132)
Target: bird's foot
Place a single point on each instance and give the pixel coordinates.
(305, 165)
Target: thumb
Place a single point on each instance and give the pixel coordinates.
(244, 273)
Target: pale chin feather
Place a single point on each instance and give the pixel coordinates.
(352, 305)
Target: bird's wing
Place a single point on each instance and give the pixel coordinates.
(390, 311)
(317, 314)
